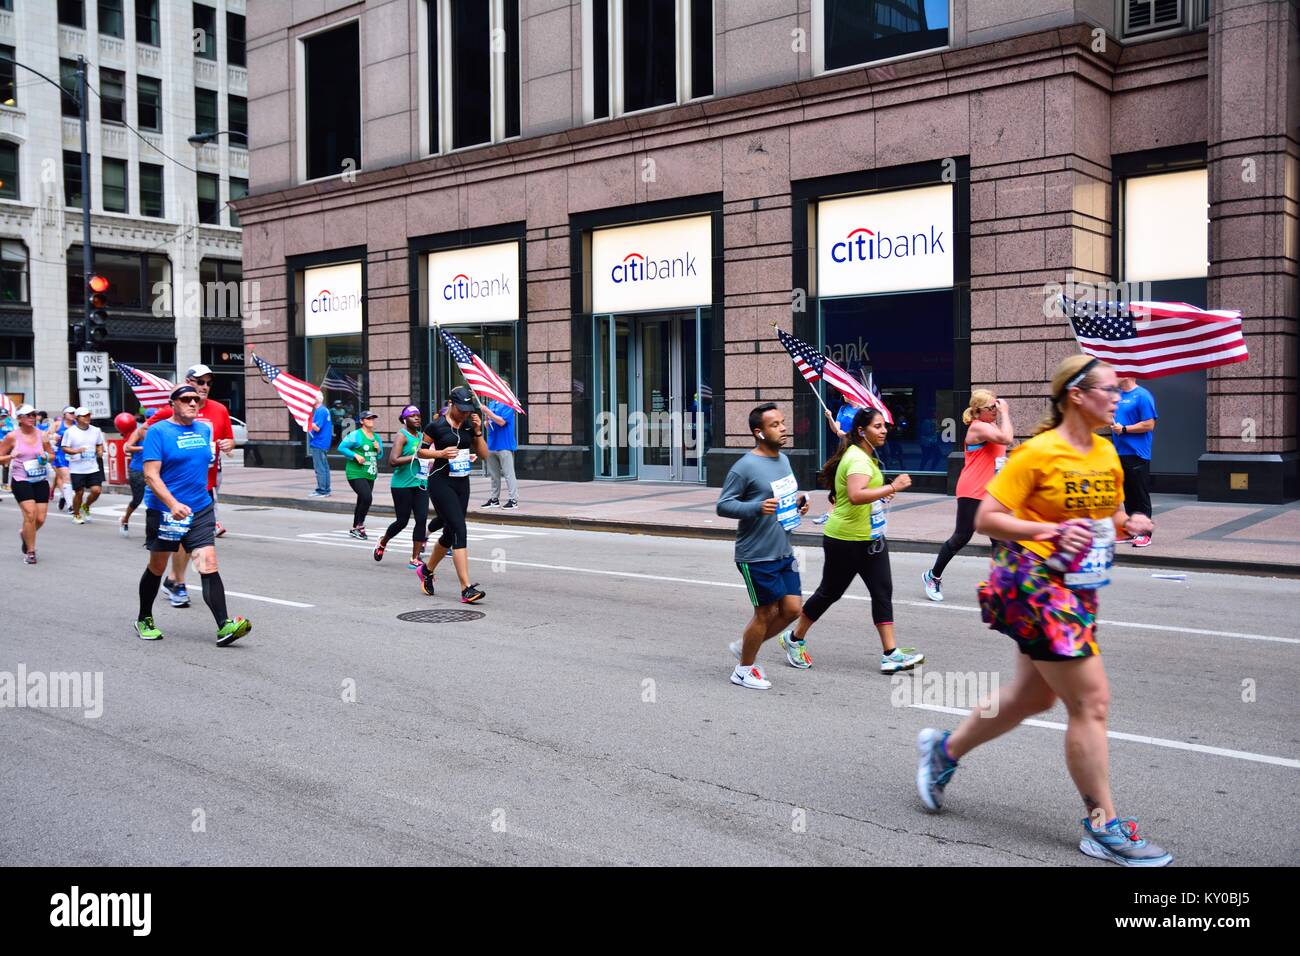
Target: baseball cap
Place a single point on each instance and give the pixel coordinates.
(197, 371)
(462, 398)
(367, 414)
(25, 410)
(407, 412)
(81, 410)
(69, 408)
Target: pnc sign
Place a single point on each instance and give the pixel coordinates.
(474, 284)
(885, 242)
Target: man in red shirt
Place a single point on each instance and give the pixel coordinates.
(223, 438)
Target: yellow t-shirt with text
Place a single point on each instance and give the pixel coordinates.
(1048, 479)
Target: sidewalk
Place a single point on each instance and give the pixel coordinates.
(1242, 538)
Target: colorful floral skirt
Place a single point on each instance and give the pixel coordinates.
(1029, 602)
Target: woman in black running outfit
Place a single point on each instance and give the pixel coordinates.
(454, 441)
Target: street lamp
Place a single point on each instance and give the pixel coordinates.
(199, 139)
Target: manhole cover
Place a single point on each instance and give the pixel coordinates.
(443, 616)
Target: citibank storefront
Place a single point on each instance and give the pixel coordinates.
(887, 270)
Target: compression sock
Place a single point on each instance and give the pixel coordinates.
(149, 584)
(214, 596)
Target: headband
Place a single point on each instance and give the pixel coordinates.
(1078, 377)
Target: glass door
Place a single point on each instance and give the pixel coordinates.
(659, 391)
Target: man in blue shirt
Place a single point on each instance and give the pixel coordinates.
(1135, 420)
(179, 512)
(502, 446)
(322, 436)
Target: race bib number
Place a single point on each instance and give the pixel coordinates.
(997, 465)
(372, 463)
(35, 469)
(171, 529)
(786, 493)
(878, 519)
(460, 465)
(1094, 572)
(424, 465)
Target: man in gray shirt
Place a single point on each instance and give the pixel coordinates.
(761, 491)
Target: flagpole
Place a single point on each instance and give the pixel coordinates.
(816, 393)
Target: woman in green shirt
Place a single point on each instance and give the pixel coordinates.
(409, 486)
(361, 450)
(853, 542)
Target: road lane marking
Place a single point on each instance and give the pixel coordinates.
(268, 600)
(848, 597)
(1140, 739)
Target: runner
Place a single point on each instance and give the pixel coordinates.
(761, 491)
(1055, 510)
(134, 474)
(179, 512)
(408, 486)
(361, 450)
(854, 542)
(62, 489)
(84, 445)
(27, 453)
(216, 415)
(987, 439)
(454, 442)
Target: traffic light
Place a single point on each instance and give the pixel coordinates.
(97, 311)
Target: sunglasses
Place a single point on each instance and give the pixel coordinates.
(203, 381)
(187, 399)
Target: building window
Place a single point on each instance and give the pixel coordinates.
(133, 278)
(853, 32)
(205, 111)
(148, 29)
(209, 199)
(205, 32)
(71, 178)
(115, 189)
(220, 280)
(13, 271)
(237, 119)
(148, 103)
(112, 96)
(8, 171)
(238, 190)
(151, 190)
(72, 13)
(71, 83)
(474, 72)
(235, 39)
(8, 77)
(647, 53)
(332, 102)
(111, 19)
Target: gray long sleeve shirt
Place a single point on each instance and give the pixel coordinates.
(760, 537)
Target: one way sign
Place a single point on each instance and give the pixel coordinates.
(92, 369)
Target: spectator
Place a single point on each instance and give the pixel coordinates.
(502, 445)
(322, 436)
(1131, 431)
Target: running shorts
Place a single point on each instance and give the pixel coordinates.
(93, 480)
(1029, 602)
(38, 491)
(201, 534)
(137, 487)
(769, 581)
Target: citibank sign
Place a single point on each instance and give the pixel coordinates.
(885, 242)
(658, 265)
(474, 284)
(332, 300)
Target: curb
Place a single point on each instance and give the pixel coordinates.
(799, 538)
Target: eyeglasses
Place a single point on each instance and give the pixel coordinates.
(1109, 389)
(188, 399)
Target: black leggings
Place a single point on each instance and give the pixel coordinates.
(845, 560)
(966, 508)
(450, 499)
(409, 501)
(365, 489)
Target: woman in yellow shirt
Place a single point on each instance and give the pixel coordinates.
(1055, 510)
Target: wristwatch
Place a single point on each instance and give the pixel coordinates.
(1123, 429)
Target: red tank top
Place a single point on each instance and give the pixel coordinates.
(981, 464)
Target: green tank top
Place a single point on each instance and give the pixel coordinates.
(850, 522)
(367, 448)
(410, 475)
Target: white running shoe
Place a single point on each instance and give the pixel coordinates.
(751, 677)
(122, 530)
(933, 586)
(900, 659)
(734, 647)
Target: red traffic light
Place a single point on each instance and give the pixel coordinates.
(98, 284)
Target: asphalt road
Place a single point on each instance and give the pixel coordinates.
(587, 717)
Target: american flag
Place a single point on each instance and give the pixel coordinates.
(300, 397)
(337, 381)
(152, 391)
(813, 365)
(478, 374)
(1151, 339)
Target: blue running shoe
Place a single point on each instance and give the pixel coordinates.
(934, 768)
(796, 652)
(1119, 843)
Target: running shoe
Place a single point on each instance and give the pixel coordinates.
(379, 551)
(426, 579)
(491, 503)
(146, 630)
(121, 529)
(751, 677)
(63, 504)
(933, 586)
(1119, 843)
(413, 564)
(510, 505)
(934, 767)
(179, 595)
(735, 647)
(221, 530)
(78, 519)
(30, 557)
(796, 652)
(85, 512)
(900, 659)
(1142, 541)
(472, 594)
(233, 630)
(822, 519)
(319, 494)
(358, 533)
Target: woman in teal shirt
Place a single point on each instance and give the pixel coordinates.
(361, 450)
(409, 486)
